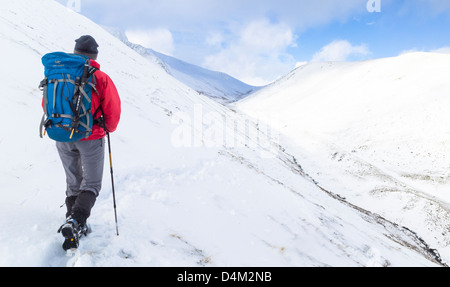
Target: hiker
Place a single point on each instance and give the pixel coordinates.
(83, 160)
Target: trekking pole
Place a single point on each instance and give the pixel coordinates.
(112, 181)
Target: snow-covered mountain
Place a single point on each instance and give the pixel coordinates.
(197, 184)
(374, 132)
(217, 85)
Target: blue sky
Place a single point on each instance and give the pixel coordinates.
(258, 41)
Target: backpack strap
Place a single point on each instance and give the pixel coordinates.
(43, 88)
(101, 120)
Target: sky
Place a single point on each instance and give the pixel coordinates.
(259, 41)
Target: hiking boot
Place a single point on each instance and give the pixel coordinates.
(72, 231)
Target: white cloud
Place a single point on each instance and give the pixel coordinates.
(159, 39)
(341, 50)
(214, 29)
(262, 36)
(202, 14)
(255, 53)
(215, 39)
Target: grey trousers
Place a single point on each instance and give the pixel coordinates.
(83, 163)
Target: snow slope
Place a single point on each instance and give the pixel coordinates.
(183, 197)
(374, 132)
(216, 85)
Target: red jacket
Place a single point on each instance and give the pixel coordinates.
(109, 99)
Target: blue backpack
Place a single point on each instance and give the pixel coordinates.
(67, 90)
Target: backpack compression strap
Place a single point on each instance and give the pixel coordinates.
(87, 73)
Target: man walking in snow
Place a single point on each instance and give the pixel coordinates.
(83, 160)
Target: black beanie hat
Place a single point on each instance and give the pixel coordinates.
(86, 45)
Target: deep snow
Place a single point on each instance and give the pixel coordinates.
(183, 198)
